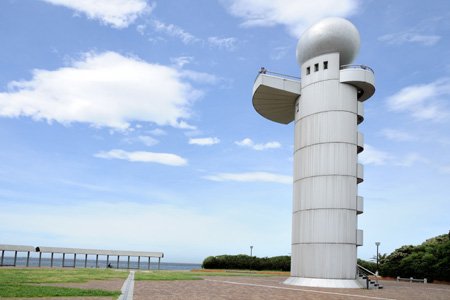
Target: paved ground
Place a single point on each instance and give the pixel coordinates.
(231, 287)
(272, 288)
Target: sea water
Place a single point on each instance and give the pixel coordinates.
(69, 262)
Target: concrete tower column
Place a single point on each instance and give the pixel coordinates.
(326, 105)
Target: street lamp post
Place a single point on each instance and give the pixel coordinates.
(378, 244)
(251, 251)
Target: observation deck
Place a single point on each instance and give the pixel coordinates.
(274, 96)
(360, 76)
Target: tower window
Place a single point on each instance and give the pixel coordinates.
(316, 67)
(325, 65)
(308, 70)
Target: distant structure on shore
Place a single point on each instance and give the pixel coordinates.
(74, 251)
(327, 106)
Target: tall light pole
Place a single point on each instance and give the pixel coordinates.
(378, 244)
(251, 251)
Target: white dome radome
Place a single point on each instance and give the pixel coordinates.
(327, 36)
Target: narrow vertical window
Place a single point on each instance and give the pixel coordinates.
(308, 70)
(316, 67)
(325, 65)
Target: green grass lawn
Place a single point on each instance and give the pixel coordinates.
(23, 290)
(187, 275)
(31, 275)
(31, 282)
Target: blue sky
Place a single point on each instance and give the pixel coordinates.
(129, 124)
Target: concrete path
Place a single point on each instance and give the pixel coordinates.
(128, 288)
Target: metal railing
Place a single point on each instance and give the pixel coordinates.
(267, 72)
(364, 67)
(366, 273)
(411, 279)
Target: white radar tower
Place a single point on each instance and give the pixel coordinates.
(326, 105)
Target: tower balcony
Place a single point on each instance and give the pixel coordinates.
(359, 173)
(361, 77)
(360, 147)
(359, 205)
(359, 237)
(360, 112)
(274, 96)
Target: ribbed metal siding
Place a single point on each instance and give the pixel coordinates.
(325, 160)
(325, 192)
(334, 226)
(324, 221)
(332, 261)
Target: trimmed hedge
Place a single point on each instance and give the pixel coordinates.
(246, 262)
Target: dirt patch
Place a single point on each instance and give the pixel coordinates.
(108, 285)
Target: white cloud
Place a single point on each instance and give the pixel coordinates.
(223, 43)
(157, 132)
(397, 135)
(175, 31)
(410, 159)
(117, 13)
(445, 169)
(251, 177)
(410, 37)
(122, 225)
(141, 29)
(147, 140)
(199, 77)
(373, 156)
(144, 139)
(103, 90)
(144, 156)
(204, 141)
(295, 15)
(259, 147)
(181, 60)
(279, 53)
(423, 101)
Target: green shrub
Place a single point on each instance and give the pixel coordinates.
(429, 260)
(245, 262)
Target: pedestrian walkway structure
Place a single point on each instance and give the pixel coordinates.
(326, 105)
(117, 254)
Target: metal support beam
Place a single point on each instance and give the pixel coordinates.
(74, 260)
(118, 257)
(128, 262)
(51, 261)
(107, 260)
(40, 257)
(148, 267)
(64, 258)
(85, 260)
(139, 262)
(15, 258)
(3, 255)
(159, 263)
(96, 261)
(28, 258)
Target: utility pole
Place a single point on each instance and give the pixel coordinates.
(378, 245)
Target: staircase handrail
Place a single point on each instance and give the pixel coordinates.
(367, 271)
